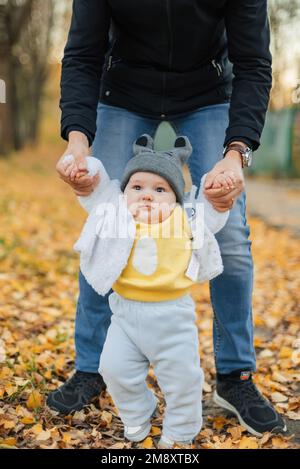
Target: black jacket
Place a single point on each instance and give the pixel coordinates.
(161, 58)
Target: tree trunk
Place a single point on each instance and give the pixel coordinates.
(6, 115)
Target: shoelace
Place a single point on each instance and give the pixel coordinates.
(249, 390)
(80, 381)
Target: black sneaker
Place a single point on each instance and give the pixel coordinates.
(75, 393)
(237, 393)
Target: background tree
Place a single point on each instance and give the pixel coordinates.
(13, 17)
(284, 20)
(26, 39)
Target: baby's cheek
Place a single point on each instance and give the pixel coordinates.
(130, 199)
(132, 208)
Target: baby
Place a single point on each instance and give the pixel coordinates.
(151, 272)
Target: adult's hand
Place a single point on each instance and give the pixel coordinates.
(75, 174)
(223, 199)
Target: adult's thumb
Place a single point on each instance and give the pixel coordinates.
(209, 179)
(81, 162)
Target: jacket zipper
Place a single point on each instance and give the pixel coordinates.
(170, 55)
(218, 67)
(170, 34)
(164, 77)
(109, 62)
(110, 58)
(112, 62)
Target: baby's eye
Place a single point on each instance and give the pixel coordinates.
(161, 189)
(137, 187)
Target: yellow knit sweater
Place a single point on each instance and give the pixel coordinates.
(158, 261)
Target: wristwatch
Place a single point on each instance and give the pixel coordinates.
(245, 152)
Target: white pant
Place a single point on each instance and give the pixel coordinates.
(164, 335)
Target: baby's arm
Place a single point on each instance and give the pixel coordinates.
(213, 219)
(94, 166)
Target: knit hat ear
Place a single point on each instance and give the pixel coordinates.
(142, 144)
(182, 148)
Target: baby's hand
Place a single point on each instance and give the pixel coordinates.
(71, 169)
(225, 180)
(83, 181)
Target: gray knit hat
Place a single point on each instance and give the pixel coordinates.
(167, 164)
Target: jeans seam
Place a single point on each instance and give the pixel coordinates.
(175, 128)
(218, 329)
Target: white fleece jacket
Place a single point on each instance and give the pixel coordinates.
(103, 255)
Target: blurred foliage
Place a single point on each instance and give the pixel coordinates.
(284, 21)
(33, 33)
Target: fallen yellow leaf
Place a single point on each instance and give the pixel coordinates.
(147, 443)
(219, 422)
(67, 437)
(207, 387)
(155, 431)
(248, 443)
(7, 424)
(106, 417)
(279, 443)
(59, 364)
(48, 374)
(27, 420)
(285, 352)
(279, 377)
(227, 444)
(6, 372)
(8, 441)
(79, 415)
(117, 446)
(34, 400)
(296, 357)
(36, 429)
(235, 432)
(44, 435)
(265, 438)
(278, 397)
(10, 389)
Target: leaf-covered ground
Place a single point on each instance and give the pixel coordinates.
(40, 220)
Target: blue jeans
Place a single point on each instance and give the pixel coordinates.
(231, 292)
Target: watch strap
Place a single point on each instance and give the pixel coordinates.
(237, 147)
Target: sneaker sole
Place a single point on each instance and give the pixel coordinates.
(169, 444)
(140, 436)
(225, 405)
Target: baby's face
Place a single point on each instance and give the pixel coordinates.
(150, 197)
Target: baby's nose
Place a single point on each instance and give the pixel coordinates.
(147, 197)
